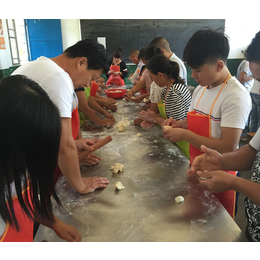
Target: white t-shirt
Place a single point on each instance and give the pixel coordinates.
(244, 67)
(256, 88)
(155, 93)
(135, 76)
(231, 108)
(53, 79)
(183, 71)
(255, 141)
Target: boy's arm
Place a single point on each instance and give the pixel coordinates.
(219, 181)
(227, 142)
(140, 84)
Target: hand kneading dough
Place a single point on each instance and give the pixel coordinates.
(119, 185)
(179, 199)
(118, 167)
(166, 127)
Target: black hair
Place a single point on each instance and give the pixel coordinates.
(160, 63)
(29, 145)
(252, 52)
(206, 46)
(161, 43)
(95, 53)
(118, 53)
(141, 54)
(150, 51)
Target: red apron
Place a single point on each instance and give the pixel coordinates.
(115, 79)
(25, 223)
(201, 125)
(143, 90)
(75, 124)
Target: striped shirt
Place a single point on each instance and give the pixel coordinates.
(177, 101)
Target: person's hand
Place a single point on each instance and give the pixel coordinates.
(66, 231)
(93, 183)
(99, 90)
(148, 116)
(110, 101)
(216, 181)
(106, 122)
(170, 122)
(128, 95)
(93, 139)
(146, 125)
(90, 160)
(109, 116)
(84, 144)
(138, 99)
(211, 160)
(174, 134)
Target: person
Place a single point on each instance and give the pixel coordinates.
(220, 104)
(244, 76)
(176, 97)
(135, 58)
(59, 76)
(29, 146)
(164, 45)
(88, 106)
(254, 116)
(118, 69)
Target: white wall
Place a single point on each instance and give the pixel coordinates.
(241, 31)
(70, 29)
(5, 55)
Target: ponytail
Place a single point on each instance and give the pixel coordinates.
(160, 63)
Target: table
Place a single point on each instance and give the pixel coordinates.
(154, 174)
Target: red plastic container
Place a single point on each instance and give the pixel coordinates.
(115, 93)
(93, 89)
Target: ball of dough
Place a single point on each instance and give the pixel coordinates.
(119, 185)
(139, 134)
(166, 127)
(118, 167)
(179, 199)
(121, 128)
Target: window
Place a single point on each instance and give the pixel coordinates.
(13, 41)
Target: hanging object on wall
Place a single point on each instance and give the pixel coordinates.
(2, 38)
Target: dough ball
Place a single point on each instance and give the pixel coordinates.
(115, 104)
(109, 111)
(121, 128)
(119, 185)
(179, 199)
(166, 127)
(118, 167)
(139, 134)
(133, 98)
(145, 100)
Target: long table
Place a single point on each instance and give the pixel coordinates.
(154, 174)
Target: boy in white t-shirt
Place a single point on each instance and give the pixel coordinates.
(209, 166)
(220, 104)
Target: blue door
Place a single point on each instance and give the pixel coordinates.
(43, 38)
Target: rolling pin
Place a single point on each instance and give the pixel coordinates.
(96, 146)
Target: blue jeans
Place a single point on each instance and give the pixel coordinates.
(255, 113)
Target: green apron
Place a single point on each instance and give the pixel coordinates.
(81, 114)
(184, 146)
